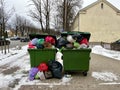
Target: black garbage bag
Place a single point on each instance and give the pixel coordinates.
(39, 46)
(77, 37)
(61, 42)
(56, 68)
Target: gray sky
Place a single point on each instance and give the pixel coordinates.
(21, 6)
(116, 3)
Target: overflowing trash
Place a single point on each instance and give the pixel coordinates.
(54, 67)
(40, 43)
(73, 42)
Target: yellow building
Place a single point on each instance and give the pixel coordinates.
(101, 19)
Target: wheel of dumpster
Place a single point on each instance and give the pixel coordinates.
(85, 73)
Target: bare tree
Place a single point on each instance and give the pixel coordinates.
(23, 26)
(17, 24)
(4, 17)
(36, 14)
(67, 10)
(42, 13)
(47, 15)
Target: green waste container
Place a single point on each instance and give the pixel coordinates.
(76, 59)
(38, 56)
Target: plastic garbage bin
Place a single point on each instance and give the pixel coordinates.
(38, 56)
(76, 59)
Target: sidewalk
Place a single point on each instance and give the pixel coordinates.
(103, 74)
(79, 82)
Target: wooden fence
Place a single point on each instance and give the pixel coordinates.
(103, 44)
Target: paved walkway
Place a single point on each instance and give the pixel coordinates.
(79, 82)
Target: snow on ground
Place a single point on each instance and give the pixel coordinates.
(13, 54)
(105, 76)
(15, 58)
(108, 53)
(20, 58)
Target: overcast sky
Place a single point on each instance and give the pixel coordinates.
(22, 6)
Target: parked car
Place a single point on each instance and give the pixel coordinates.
(15, 38)
(115, 45)
(24, 39)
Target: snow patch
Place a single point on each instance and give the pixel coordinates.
(26, 81)
(108, 53)
(113, 83)
(105, 76)
(21, 59)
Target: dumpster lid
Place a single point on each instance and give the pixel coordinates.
(31, 36)
(84, 34)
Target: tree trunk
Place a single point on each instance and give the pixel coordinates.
(65, 16)
(4, 36)
(47, 17)
(41, 18)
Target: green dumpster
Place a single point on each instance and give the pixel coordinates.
(76, 59)
(38, 56)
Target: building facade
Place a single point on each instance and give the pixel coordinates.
(101, 19)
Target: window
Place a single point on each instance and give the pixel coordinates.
(101, 5)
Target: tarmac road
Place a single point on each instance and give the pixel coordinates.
(79, 82)
(14, 43)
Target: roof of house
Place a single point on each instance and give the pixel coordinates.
(115, 4)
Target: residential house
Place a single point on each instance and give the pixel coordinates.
(101, 18)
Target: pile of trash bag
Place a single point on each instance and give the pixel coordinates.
(52, 69)
(40, 43)
(75, 41)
